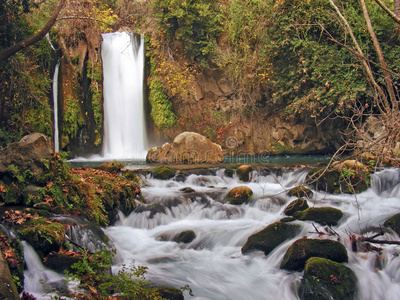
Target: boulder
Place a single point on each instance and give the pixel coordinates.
(300, 191)
(301, 250)
(187, 148)
(243, 172)
(333, 181)
(163, 173)
(326, 279)
(270, 237)
(185, 237)
(321, 215)
(294, 206)
(239, 195)
(394, 223)
(8, 290)
(27, 154)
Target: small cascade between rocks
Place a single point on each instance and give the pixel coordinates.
(213, 265)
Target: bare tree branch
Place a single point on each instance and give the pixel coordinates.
(35, 38)
(388, 11)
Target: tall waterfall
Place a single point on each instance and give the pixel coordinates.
(124, 122)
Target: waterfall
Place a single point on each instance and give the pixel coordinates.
(124, 122)
(55, 108)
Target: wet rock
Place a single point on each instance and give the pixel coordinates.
(228, 172)
(187, 148)
(60, 262)
(334, 181)
(243, 172)
(185, 237)
(394, 223)
(180, 176)
(326, 279)
(154, 209)
(303, 249)
(239, 195)
(321, 215)
(270, 237)
(300, 191)
(170, 293)
(296, 205)
(8, 290)
(187, 190)
(111, 167)
(163, 173)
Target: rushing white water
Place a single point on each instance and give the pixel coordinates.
(55, 107)
(213, 265)
(124, 122)
(39, 281)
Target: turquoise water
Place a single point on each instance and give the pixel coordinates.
(273, 160)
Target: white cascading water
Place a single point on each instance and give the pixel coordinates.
(55, 107)
(213, 265)
(124, 121)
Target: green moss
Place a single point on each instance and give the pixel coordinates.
(300, 191)
(296, 205)
(303, 249)
(239, 195)
(44, 235)
(326, 279)
(163, 173)
(270, 237)
(394, 223)
(322, 215)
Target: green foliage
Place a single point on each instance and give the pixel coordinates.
(72, 119)
(42, 231)
(95, 74)
(195, 23)
(161, 107)
(93, 272)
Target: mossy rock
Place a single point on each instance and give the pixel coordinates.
(111, 167)
(321, 215)
(296, 205)
(326, 279)
(303, 249)
(239, 195)
(300, 191)
(163, 173)
(154, 209)
(8, 289)
(229, 172)
(170, 293)
(185, 237)
(394, 223)
(270, 237)
(335, 182)
(243, 172)
(43, 235)
(60, 262)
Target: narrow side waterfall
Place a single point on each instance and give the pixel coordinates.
(55, 107)
(124, 121)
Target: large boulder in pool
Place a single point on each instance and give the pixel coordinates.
(326, 279)
(301, 250)
(187, 148)
(270, 237)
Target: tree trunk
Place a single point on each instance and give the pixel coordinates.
(35, 38)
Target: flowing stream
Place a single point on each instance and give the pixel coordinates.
(213, 265)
